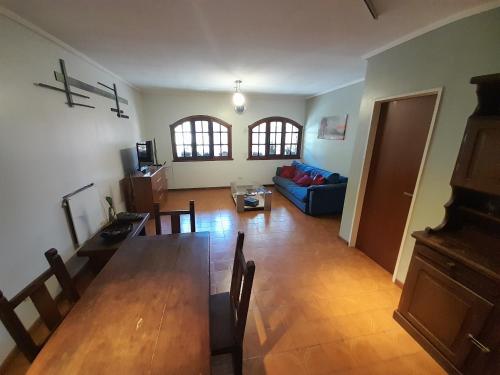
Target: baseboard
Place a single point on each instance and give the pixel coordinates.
(15, 351)
(399, 283)
(210, 188)
(200, 188)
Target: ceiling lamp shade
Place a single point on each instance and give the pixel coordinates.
(238, 98)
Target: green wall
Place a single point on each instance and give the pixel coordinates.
(329, 154)
(446, 57)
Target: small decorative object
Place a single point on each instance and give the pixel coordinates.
(116, 231)
(333, 127)
(65, 79)
(119, 112)
(111, 209)
(371, 9)
(251, 201)
(238, 98)
(69, 81)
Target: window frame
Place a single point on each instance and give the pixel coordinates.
(268, 120)
(211, 120)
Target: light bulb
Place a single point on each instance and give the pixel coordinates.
(238, 99)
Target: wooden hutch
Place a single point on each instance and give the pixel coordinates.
(451, 299)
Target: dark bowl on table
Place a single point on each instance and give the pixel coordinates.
(116, 231)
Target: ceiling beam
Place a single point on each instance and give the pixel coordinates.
(371, 8)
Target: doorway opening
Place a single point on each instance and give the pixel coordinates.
(399, 137)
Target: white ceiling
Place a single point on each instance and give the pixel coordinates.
(274, 46)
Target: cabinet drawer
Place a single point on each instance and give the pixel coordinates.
(444, 311)
(479, 283)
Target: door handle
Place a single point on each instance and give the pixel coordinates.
(408, 194)
(478, 344)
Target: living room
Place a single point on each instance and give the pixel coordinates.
(272, 118)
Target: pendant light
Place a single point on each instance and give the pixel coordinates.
(238, 98)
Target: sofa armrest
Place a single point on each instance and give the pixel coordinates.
(326, 199)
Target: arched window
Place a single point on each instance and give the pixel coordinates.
(201, 138)
(274, 138)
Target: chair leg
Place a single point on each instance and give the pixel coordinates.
(156, 214)
(238, 360)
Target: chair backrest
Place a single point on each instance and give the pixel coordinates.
(241, 288)
(47, 308)
(175, 218)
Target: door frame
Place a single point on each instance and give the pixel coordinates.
(369, 146)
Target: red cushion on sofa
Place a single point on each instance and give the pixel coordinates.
(318, 180)
(298, 176)
(306, 180)
(287, 171)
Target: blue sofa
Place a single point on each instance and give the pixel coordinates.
(314, 199)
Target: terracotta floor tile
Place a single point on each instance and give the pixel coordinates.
(285, 363)
(304, 333)
(317, 361)
(278, 341)
(423, 363)
(341, 357)
(326, 330)
(254, 366)
(317, 307)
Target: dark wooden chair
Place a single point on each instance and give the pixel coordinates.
(228, 311)
(47, 308)
(175, 218)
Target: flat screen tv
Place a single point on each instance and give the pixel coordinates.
(145, 153)
(130, 163)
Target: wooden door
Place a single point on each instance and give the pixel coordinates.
(445, 312)
(398, 149)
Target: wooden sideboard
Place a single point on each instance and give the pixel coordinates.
(451, 298)
(142, 190)
(99, 251)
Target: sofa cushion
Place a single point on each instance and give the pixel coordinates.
(298, 176)
(287, 171)
(283, 182)
(305, 180)
(330, 177)
(298, 191)
(318, 180)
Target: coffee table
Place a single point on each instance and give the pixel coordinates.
(240, 192)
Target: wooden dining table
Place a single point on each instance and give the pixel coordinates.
(146, 312)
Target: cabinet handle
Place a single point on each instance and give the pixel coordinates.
(407, 194)
(478, 344)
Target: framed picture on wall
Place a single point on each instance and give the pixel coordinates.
(333, 127)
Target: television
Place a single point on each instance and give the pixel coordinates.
(129, 160)
(145, 153)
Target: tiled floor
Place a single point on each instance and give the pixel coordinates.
(318, 307)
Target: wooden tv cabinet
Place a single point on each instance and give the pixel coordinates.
(142, 190)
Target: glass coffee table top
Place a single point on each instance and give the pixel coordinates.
(239, 192)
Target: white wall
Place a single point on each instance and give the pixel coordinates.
(446, 57)
(162, 108)
(47, 150)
